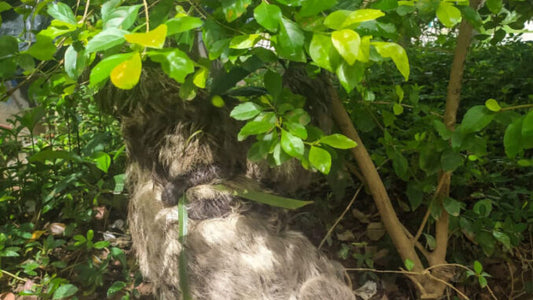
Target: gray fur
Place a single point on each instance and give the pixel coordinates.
(235, 249)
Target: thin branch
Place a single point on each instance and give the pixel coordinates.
(428, 212)
(146, 15)
(340, 217)
(517, 107)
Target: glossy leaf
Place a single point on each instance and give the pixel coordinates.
(313, 7)
(121, 17)
(448, 14)
(397, 53)
(175, 63)
(152, 39)
(101, 71)
(245, 111)
(336, 19)
(347, 43)
(320, 51)
(102, 161)
(244, 41)
(200, 77)
(268, 16)
(75, 62)
(255, 127)
(363, 54)
(106, 39)
(362, 15)
(290, 41)
(298, 116)
(320, 159)
(292, 145)
(182, 24)
(338, 141)
(62, 12)
(350, 76)
(296, 129)
(126, 75)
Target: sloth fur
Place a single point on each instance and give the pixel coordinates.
(234, 249)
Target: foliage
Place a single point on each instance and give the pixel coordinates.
(387, 58)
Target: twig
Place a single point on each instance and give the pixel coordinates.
(428, 212)
(86, 11)
(13, 275)
(340, 217)
(146, 15)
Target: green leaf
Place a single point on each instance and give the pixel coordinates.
(126, 75)
(451, 160)
(296, 129)
(244, 41)
(51, 155)
(338, 141)
(298, 116)
(495, 6)
(175, 63)
(101, 71)
(245, 111)
(182, 24)
(273, 83)
(43, 49)
(472, 16)
(62, 12)
(409, 264)
(313, 7)
(266, 198)
(320, 50)
(397, 53)
(476, 118)
(8, 50)
(347, 43)
(8, 45)
(255, 127)
(364, 49)
(292, 145)
(397, 109)
(493, 105)
(336, 19)
(182, 235)
(362, 15)
(102, 161)
(106, 39)
(483, 207)
(65, 291)
(400, 165)
(448, 14)
(200, 78)
(108, 7)
(452, 206)
(320, 159)
(512, 139)
(350, 76)
(478, 268)
(122, 17)
(290, 41)
(119, 183)
(233, 9)
(116, 287)
(527, 125)
(258, 151)
(75, 62)
(153, 39)
(4, 6)
(482, 281)
(268, 16)
(502, 238)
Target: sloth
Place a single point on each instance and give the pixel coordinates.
(234, 249)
